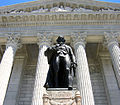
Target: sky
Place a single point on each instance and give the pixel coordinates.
(10, 2)
(114, 1)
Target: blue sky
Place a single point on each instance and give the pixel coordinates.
(10, 2)
(114, 1)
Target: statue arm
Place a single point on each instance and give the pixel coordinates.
(49, 53)
(73, 60)
(49, 49)
(72, 56)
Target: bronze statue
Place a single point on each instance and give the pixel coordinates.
(62, 65)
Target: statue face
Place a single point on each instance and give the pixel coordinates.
(61, 42)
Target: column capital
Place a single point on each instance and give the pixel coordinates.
(14, 40)
(110, 38)
(79, 38)
(44, 39)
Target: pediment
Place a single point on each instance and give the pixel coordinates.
(59, 6)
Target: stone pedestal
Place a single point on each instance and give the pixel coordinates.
(61, 97)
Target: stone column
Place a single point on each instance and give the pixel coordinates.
(82, 71)
(113, 47)
(112, 90)
(6, 64)
(13, 88)
(41, 70)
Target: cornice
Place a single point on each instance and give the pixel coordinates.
(68, 18)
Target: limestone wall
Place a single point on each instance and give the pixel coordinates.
(27, 86)
(98, 86)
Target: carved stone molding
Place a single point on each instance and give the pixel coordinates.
(44, 39)
(14, 40)
(62, 98)
(79, 38)
(110, 38)
(59, 19)
(60, 16)
(46, 7)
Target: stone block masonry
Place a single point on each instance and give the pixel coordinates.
(27, 86)
(99, 93)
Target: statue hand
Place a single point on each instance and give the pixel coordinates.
(74, 65)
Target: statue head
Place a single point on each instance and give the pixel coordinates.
(60, 39)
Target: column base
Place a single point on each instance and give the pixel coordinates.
(61, 96)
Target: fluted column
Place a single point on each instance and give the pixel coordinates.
(6, 64)
(113, 47)
(82, 72)
(41, 70)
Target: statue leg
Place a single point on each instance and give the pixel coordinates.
(56, 69)
(47, 83)
(68, 73)
(70, 78)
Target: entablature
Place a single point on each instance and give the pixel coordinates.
(51, 19)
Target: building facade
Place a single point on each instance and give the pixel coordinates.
(91, 28)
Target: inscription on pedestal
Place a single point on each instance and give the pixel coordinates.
(62, 97)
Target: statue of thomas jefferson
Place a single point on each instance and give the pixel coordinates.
(62, 65)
